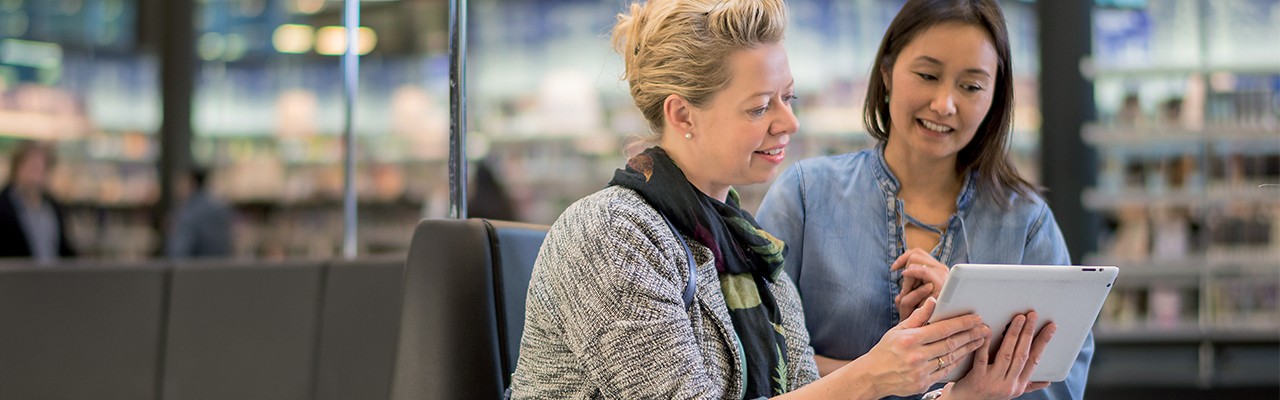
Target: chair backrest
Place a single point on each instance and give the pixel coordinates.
(80, 332)
(358, 326)
(242, 331)
(463, 311)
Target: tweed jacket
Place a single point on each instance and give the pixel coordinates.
(605, 316)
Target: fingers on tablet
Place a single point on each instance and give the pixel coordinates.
(1037, 349)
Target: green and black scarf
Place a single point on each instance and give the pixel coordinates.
(746, 257)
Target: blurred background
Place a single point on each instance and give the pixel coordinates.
(1153, 124)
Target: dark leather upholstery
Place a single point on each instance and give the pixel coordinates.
(360, 321)
(463, 311)
(73, 332)
(242, 331)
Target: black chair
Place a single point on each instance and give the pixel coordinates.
(242, 331)
(80, 332)
(463, 312)
(358, 327)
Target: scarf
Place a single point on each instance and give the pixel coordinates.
(746, 259)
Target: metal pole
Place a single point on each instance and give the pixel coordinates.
(351, 82)
(458, 109)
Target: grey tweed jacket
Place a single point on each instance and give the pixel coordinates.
(605, 316)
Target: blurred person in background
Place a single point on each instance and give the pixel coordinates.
(488, 198)
(32, 223)
(202, 225)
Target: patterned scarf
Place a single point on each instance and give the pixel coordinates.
(746, 257)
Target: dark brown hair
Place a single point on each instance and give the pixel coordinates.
(25, 149)
(988, 152)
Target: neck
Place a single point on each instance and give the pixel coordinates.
(920, 176)
(681, 154)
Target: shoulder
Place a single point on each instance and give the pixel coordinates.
(1031, 207)
(840, 163)
(611, 208)
(614, 218)
(832, 171)
(1030, 212)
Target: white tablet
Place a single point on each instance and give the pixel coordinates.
(1070, 296)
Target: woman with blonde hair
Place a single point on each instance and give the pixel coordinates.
(660, 285)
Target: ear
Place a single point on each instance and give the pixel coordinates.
(678, 113)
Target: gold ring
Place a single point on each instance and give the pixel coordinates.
(941, 364)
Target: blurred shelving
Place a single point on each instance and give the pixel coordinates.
(1188, 131)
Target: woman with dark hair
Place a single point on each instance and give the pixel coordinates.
(32, 224)
(873, 232)
(661, 286)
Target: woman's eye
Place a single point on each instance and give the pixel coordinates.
(926, 77)
(973, 88)
(791, 98)
(758, 112)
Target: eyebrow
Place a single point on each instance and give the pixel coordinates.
(790, 85)
(977, 71)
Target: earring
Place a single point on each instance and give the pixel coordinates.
(688, 135)
(886, 98)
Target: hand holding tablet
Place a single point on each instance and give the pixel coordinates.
(1068, 296)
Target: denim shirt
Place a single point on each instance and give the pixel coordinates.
(840, 218)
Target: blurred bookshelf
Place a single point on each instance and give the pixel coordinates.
(1188, 140)
(548, 111)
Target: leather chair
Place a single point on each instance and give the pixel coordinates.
(463, 313)
(81, 331)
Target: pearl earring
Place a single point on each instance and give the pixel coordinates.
(688, 135)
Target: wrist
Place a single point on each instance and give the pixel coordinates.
(859, 382)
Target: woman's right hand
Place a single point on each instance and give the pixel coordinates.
(913, 356)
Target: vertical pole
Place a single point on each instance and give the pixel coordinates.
(458, 109)
(1068, 165)
(178, 70)
(351, 81)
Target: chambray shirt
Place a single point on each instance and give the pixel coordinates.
(840, 218)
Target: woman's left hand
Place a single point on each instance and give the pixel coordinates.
(1008, 374)
(922, 278)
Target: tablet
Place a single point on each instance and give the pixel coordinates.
(1070, 296)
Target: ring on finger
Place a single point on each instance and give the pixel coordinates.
(941, 363)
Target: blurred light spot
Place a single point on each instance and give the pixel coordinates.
(236, 47)
(252, 8)
(309, 6)
(293, 38)
(332, 40)
(211, 46)
(30, 53)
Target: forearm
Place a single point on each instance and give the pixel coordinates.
(849, 380)
(828, 365)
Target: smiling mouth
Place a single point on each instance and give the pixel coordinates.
(772, 152)
(935, 127)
